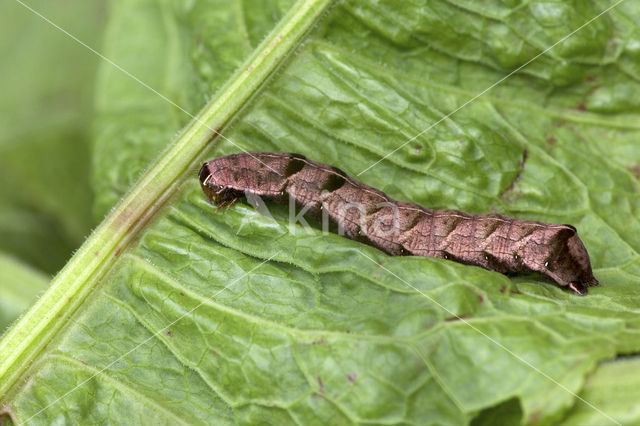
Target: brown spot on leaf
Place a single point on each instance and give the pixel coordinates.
(352, 377)
(510, 188)
(454, 318)
(170, 334)
(7, 412)
(552, 141)
(574, 365)
(635, 170)
(535, 417)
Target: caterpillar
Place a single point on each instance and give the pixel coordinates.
(365, 214)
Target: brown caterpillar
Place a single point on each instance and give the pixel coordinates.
(362, 213)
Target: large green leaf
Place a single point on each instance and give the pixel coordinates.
(614, 386)
(169, 312)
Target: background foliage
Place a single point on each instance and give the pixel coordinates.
(322, 333)
(45, 157)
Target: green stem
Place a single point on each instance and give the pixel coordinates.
(24, 341)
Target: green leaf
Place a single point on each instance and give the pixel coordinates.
(20, 286)
(613, 385)
(179, 314)
(45, 112)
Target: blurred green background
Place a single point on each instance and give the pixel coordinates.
(45, 152)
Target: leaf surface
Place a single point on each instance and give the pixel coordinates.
(185, 322)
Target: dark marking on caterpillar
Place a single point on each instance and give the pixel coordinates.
(294, 166)
(494, 242)
(333, 182)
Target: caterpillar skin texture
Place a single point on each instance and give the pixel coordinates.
(494, 242)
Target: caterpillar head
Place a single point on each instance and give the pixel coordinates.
(217, 192)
